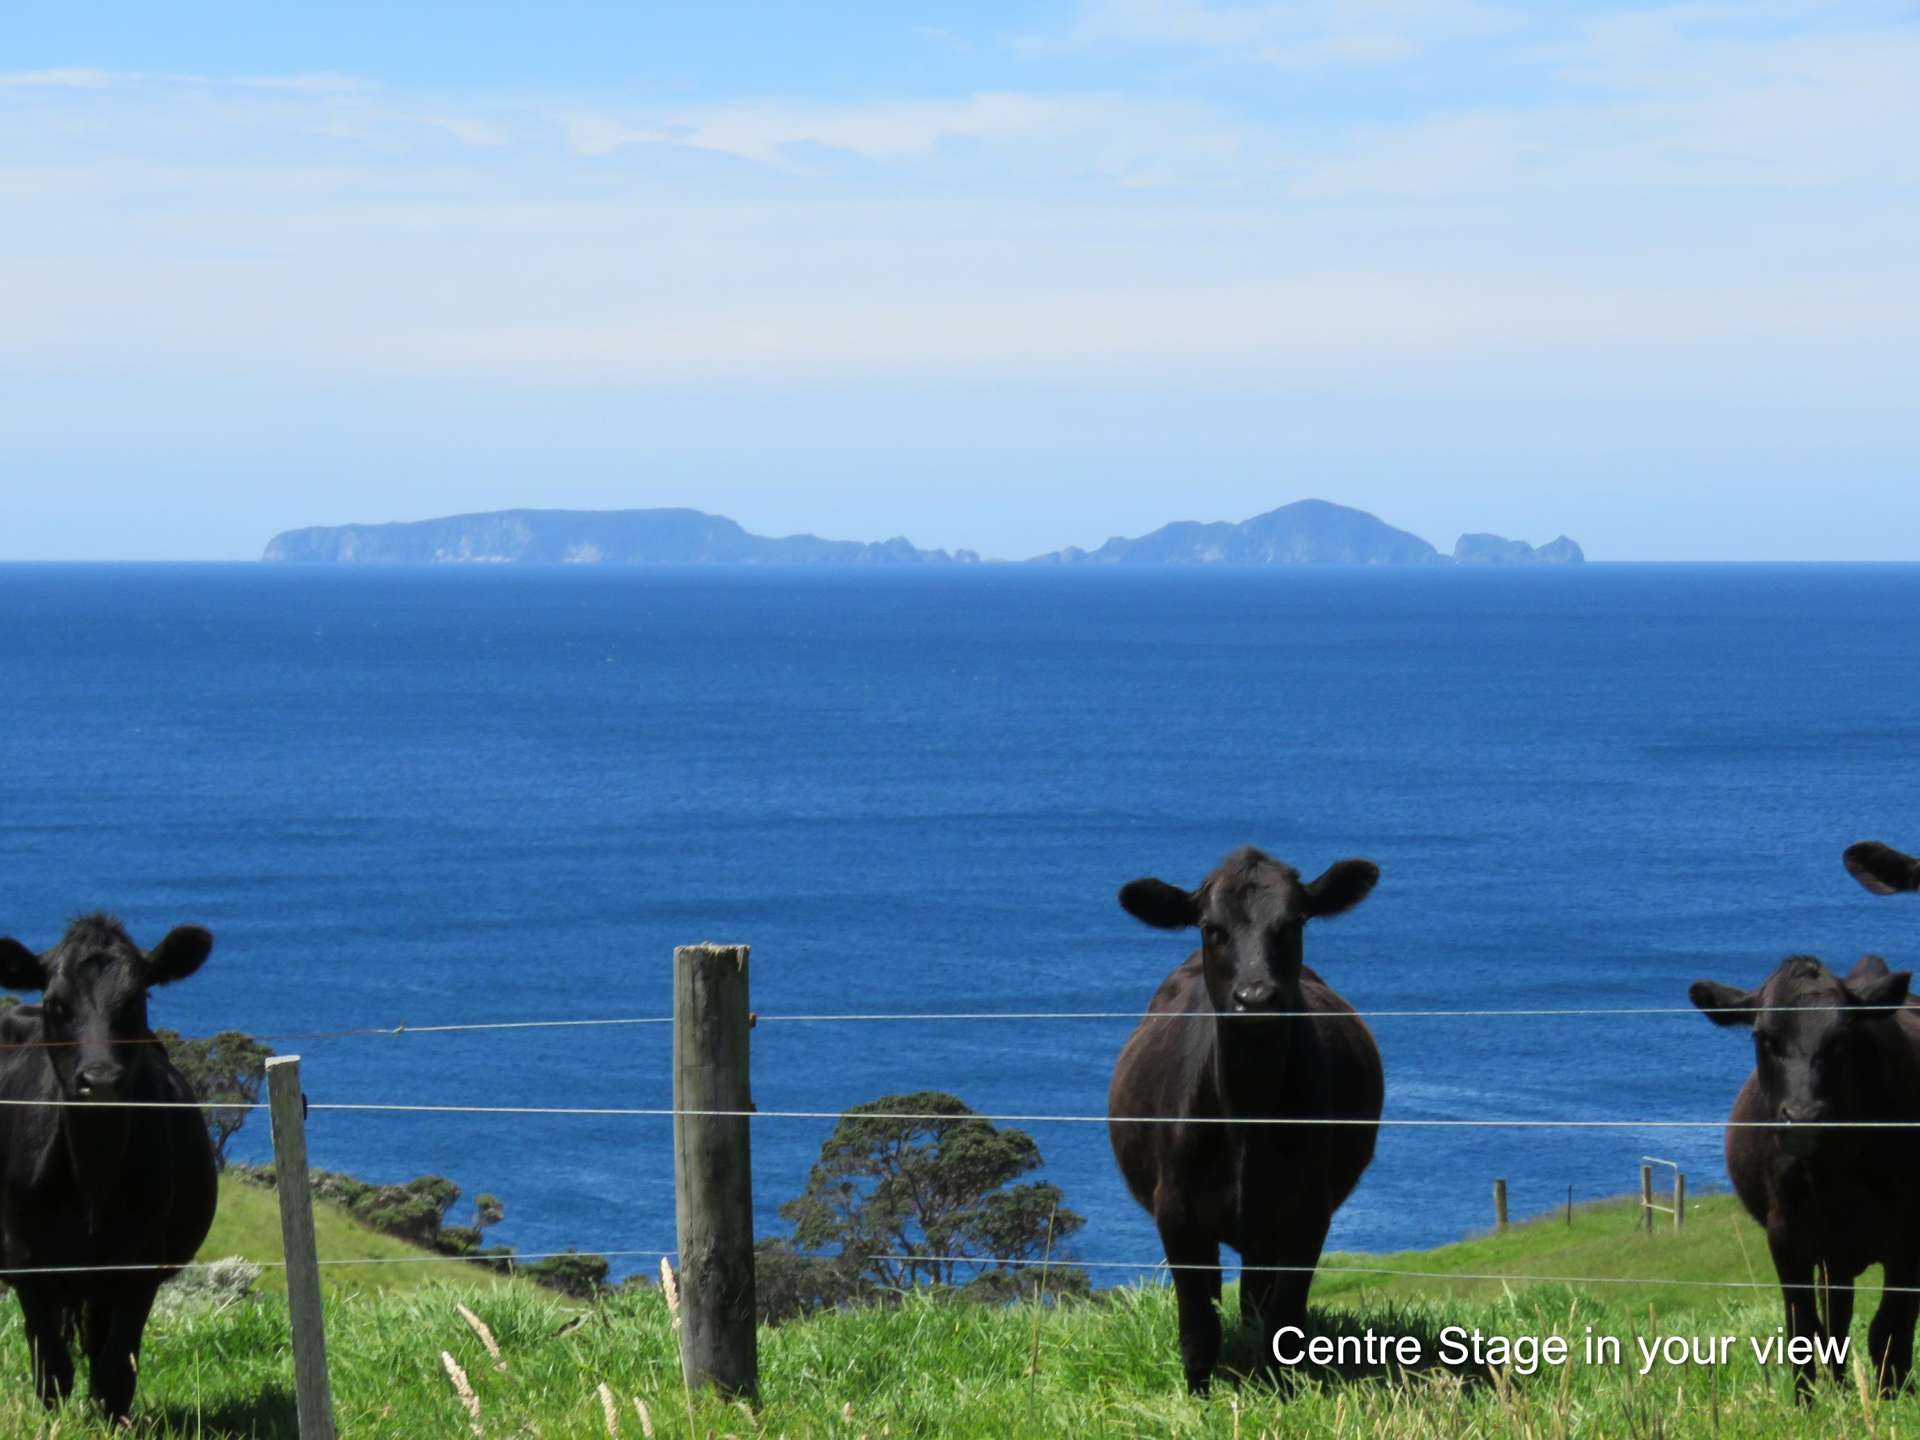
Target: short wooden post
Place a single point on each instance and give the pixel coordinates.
(1646, 1197)
(313, 1396)
(1499, 1205)
(713, 1170)
(1679, 1199)
(1569, 1207)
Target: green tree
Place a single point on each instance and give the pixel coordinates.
(895, 1204)
(226, 1070)
(573, 1272)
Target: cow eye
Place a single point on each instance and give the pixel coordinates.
(54, 1008)
(1213, 935)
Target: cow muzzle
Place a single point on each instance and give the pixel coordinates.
(1803, 1132)
(1255, 997)
(100, 1082)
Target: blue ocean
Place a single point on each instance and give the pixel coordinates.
(448, 795)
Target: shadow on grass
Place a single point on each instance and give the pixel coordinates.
(267, 1415)
(1244, 1358)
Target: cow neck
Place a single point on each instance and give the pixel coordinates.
(1251, 1058)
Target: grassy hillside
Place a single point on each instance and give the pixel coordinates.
(1095, 1368)
(1601, 1245)
(248, 1225)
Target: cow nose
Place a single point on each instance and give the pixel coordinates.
(1252, 997)
(1800, 1114)
(101, 1081)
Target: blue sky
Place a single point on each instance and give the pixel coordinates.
(1005, 276)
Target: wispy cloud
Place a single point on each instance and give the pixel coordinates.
(1296, 34)
(54, 80)
(1705, 192)
(1105, 135)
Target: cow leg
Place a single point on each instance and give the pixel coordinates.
(1839, 1317)
(1195, 1258)
(43, 1310)
(1890, 1337)
(116, 1319)
(1797, 1290)
(1297, 1242)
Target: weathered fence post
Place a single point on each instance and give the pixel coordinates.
(1499, 1205)
(313, 1396)
(1679, 1199)
(712, 1169)
(1646, 1198)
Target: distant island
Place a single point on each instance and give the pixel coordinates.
(1498, 550)
(586, 537)
(1306, 532)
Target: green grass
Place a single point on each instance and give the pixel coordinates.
(925, 1368)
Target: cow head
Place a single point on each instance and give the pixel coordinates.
(1814, 1054)
(1252, 913)
(93, 1009)
(1881, 868)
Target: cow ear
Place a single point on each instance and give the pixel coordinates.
(19, 966)
(1724, 1004)
(1163, 906)
(1344, 885)
(1867, 967)
(1881, 868)
(1882, 989)
(175, 958)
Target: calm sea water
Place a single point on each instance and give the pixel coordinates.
(430, 796)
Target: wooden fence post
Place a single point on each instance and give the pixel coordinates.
(313, 1396)
(1646, 1198)
(1500, 1205)
(713, 1170)
(1679, 1199)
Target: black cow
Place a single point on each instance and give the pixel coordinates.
(1881, 868)
(95, 1184)
(1833, 1201)
(1269, 1191)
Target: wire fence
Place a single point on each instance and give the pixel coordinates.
(402, 1030)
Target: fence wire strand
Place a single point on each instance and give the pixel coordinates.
(665, 1112)
(510, 1262)
(1385, 1271)
(403, 1029)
